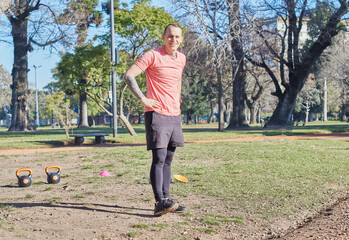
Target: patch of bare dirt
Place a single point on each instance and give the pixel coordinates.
(331, 223)
(86, 206)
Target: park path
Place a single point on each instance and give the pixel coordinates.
(333, 136)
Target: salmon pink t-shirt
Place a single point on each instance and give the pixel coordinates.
(163, 78)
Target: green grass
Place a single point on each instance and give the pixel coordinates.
(54, 200)
(111, 165)
(161, 225)
(30, 195)
(140, 225)
(49, 137)
(114, 198)
(7, 207)
(206, 230)
(133, 234)
(79, 196)
(208, 220)
(38, 183)
(94, 179)
(282, 175)
(104, 236)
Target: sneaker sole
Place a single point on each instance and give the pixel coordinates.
(182, 211)
(171, 209)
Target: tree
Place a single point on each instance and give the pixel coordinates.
(94, 110)
(82, 13)
(42, 30)
(209, 20)
(88, 62)
(308, 99)
(59, 104)
(238, 118)
(333, 68)
(318, 19)
(5, 92)
(294, 67)
(255, 87)
(4, 5)
(198, 76)
(91, 63)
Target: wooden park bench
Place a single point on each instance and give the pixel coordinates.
(99, 138)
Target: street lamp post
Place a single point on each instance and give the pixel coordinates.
(36, 99)
(113, 78)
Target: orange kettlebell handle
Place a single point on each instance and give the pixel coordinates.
(24, 169)
(49, 167)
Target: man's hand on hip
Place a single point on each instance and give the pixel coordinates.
(151, 103)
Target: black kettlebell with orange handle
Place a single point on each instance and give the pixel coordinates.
(53, 177)
(24, 180)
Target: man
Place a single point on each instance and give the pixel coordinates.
(163, 67)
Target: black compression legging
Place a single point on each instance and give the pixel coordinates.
(160, 172)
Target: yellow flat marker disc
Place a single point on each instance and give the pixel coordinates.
(180, 178)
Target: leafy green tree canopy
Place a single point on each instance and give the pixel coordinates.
(141, 27)
(90, 63)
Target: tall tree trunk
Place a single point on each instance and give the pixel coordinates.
(18, 14)
(253, 112)
(284, 110)
(189, 117)
(307, 110)
(81, 31)
(211, 119)
(324, 103)
(220, 101)
(83, 111)
(20, 92)
(342, 116)
(238, 118)
(227, 113)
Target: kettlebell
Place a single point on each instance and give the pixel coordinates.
(25, 180)
(53, 177)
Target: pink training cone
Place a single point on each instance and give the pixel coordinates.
(104, 174)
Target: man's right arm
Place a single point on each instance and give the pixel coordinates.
(130, 79)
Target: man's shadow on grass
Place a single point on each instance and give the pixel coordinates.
(82, 206)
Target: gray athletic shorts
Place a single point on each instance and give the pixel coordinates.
(163, 131)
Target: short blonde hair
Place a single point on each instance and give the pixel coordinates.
(172, 25)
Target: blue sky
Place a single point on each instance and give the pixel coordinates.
(43, 58)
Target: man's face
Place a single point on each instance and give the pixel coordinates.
(173, 38)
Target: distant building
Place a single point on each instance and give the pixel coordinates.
(278, 24)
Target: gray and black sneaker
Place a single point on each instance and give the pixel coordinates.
(180, 208)
(164, 206)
